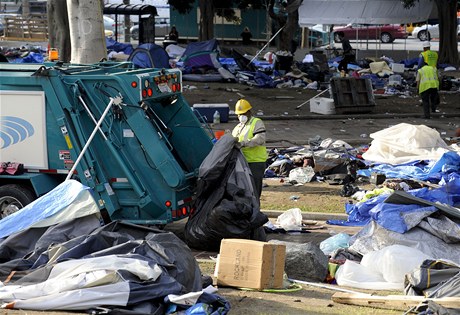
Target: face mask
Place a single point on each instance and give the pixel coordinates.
(243, 118)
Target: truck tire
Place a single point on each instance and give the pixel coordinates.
(14, 197)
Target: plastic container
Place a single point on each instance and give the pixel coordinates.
(322, 105)
(216, 117)
(208, 111)
(53, 54)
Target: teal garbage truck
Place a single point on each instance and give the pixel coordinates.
(127, 133)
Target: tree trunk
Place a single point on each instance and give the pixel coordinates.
(447, 12)
(58, 28)
(86, 31)
(206, 20)
(290, 22)
(127, 25)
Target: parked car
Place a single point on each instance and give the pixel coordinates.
(386, 33)
(161, 28)
(109, 24)
(428, 31)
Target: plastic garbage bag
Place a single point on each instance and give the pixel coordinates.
(290, 220)
(334, 242)
(393, 262)
(301, 175)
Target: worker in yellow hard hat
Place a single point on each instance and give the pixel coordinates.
(251, 135)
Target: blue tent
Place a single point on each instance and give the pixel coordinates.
(149, 56)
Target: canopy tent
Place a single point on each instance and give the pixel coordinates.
(362, 12)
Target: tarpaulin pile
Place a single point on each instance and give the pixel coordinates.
(73, 262)
(408, 235)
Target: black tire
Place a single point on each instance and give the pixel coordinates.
(14, 197)
(135, 35)
(386, 38)
(423, 35)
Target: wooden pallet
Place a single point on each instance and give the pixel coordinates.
(352, 95)
(394, 302)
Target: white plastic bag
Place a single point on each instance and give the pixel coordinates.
(394, 261)
(291, 220)
(352, 274)
(301, 175)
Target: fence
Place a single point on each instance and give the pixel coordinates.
(32, 28)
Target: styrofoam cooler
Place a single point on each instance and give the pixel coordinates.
(208, 110)
(322, 105)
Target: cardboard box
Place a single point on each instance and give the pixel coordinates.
(250, 264)
(322, 105)
(208, 110)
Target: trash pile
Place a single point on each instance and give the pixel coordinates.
(410, 236)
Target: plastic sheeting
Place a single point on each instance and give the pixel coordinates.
(437, 237)
(404, 143)
(433, 170)
(67, 201)
(381, 269)
(118, 265)
(364, 12)
(394, 216)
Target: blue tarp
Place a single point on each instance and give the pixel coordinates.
(427, 171)
(32, 57)
(391, 216)
(113, 45)
(59, 199)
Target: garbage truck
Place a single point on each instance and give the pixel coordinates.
(126, 133)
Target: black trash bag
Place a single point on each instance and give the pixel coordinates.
(348, 190)
(226, 206)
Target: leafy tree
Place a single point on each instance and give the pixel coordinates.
(447, 13)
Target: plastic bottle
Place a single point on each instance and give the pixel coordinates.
(216, 117)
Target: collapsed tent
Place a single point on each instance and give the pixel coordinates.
(149, 56)
(79, 264)
(201, 55)
(364, 12)
(226, 206)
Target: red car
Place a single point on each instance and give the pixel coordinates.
(386, 33)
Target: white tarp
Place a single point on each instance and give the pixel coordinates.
(405, 143)
(362, 11)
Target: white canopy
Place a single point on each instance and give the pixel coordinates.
(362, 11)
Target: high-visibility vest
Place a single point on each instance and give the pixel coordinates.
(252, 154)
(430, 57)
(428, 78)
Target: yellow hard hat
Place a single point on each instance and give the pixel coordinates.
(242, 106)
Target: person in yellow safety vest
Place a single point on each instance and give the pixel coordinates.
(428, 85)
(251, 135)
(427, 56)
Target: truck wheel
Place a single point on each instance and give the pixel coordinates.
(13, 198)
